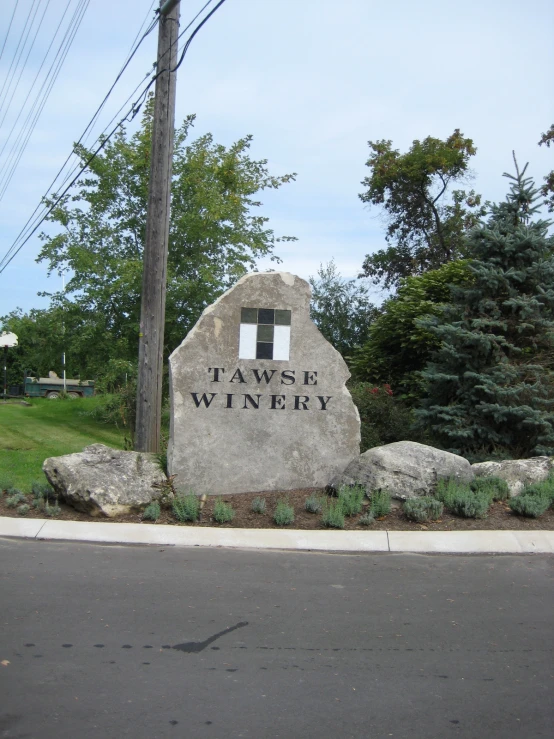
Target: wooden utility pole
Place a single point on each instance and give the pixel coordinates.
(152, 316)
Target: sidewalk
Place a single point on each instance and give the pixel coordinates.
(451, 542)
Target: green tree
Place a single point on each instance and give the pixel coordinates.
(398, 347)
(216, 234)
(38, 350)
(45, 335)
(490, 385)
(426, 221)
(341, 308)
(548, 188)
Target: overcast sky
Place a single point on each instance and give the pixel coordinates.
(312, 81)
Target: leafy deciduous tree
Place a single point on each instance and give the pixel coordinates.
(216, 235)
(426, 222)
(398, 348)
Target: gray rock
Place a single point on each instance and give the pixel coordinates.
(516, 472)
(241, 424)
(405, 468)
(104, 481)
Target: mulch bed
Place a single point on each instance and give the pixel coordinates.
(499, 517)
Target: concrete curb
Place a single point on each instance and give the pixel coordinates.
(452, 542)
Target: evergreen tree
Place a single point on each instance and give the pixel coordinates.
(490, 385)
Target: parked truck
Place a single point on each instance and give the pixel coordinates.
(52, 386)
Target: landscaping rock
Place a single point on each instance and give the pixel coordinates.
(405, 468)
(105, 482)
(258, 395)
(516, 472)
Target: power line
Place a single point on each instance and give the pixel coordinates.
(53, 73)
(82, 137)
(91, 123)
(193, 34)
(12, 252)
(24, 63)
(15, 55)
(9, 28)
(26, 233)
(36, 77)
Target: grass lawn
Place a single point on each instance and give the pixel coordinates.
(47, 428)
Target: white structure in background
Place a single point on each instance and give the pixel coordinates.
(8, 341)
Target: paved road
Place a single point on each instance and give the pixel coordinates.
(111, 642)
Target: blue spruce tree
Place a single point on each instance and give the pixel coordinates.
(489, 389)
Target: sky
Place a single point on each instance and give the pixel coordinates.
(312, 81)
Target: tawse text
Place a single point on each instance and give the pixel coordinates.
(273, 401)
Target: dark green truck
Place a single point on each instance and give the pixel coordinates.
(51, 387)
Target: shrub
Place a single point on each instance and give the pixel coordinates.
(448, 489)
(186, 507)
(223, 512)
(167, 493)
(333, 515)
(119, 408)
(531, 506)
(41, 490)
(152, 511)
(468, 504)
(423, 509)
(314, 503)
(384, 418)
(24, 509)
(367, 519)
(494, 487)
(52, 510)
(380, 503)
(351, 498)
(15, 497)
(39, 503)
(541, 489)
(284, 513)
(258, 505)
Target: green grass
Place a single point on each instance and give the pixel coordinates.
(48, 428)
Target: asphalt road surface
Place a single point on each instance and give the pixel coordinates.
(149, 642)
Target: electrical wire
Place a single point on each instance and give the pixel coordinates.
(36, 78)
(142, 26)
(9, 28)
(30, 228)
(12, 252)
(54, 71)
(17, 54)
(25, 62)
(83, 136)
(193, 34)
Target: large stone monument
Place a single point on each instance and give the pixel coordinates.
(258, 396)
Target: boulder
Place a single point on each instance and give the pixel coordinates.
(258, 395)
(105, 482)
(516, 472)
(405, 468)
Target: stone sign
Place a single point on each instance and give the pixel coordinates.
(258, 396)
